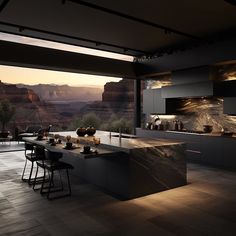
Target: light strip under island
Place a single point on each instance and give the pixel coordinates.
(127, 167)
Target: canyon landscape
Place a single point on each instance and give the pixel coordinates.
(59, 105)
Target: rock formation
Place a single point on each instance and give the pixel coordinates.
(17, 95)
(50, 92)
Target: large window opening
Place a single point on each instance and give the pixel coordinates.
(66, 100)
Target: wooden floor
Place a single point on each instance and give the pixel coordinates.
(206, 206)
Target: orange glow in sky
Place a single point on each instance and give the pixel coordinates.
(15, 75)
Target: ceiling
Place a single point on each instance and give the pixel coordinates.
(129, 27)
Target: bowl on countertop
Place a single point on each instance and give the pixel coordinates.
(207, 128)
(227, 133)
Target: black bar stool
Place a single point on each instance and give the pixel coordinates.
(32, 153)
(50, 165)
(29, 156)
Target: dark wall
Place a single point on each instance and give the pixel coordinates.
(200, 56)
(15, 54)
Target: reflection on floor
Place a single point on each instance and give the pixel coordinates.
(206, 206)
(9, 146)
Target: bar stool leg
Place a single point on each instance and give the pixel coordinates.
(62, 186)
(31, 171)
(43, 182)
(50, 185)
(22, 177)
(36, 175)
(68, 179)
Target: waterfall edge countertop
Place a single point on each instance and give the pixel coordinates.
(130, 167)
(126, 144)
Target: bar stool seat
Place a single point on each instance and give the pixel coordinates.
(57, 165)
(50, 165)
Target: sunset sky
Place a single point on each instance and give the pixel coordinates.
(9, 74)
(15, 75)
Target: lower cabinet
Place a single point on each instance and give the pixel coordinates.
(229, 153)
(212, 148)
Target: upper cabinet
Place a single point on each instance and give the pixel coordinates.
(229, 88)
(148, 101)
(201, 89)
(229, 106)
(153, 102)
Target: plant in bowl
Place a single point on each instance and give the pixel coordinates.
(81, 131)
(90, 131)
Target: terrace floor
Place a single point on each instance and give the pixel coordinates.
(206, 206)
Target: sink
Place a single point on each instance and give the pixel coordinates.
(123, 136)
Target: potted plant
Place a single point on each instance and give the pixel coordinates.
(7, 111)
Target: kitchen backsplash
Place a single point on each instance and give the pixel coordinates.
(198, 112)
(201, 111)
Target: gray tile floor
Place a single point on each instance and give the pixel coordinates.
(10, 146)
(206, 206)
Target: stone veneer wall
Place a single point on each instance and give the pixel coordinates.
(199, 112)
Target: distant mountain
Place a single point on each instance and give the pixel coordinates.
(51, 92)
(17, 95)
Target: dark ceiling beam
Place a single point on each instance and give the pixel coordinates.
(124, 49)
(22, 55)
(4, 4)
(139, 20)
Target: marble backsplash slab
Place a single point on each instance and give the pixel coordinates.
(197, 112)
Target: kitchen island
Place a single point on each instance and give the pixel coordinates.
(127, 167)
(214, 149)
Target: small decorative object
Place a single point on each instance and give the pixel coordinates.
(207, 128)
(56, 136)
(68, 139)
(68, 145)
(81, 131)
(46, 135)
(86, 149)
(90, 131)
(40, 136)
(96, 141)
(51, 140)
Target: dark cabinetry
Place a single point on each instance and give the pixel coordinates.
(148, 101)
(201, 89)
(153, 102)
(229, 153)
(229, 105)
(212, 148)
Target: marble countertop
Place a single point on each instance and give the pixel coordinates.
(212, 134)
(117, 144)
(77, 148)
